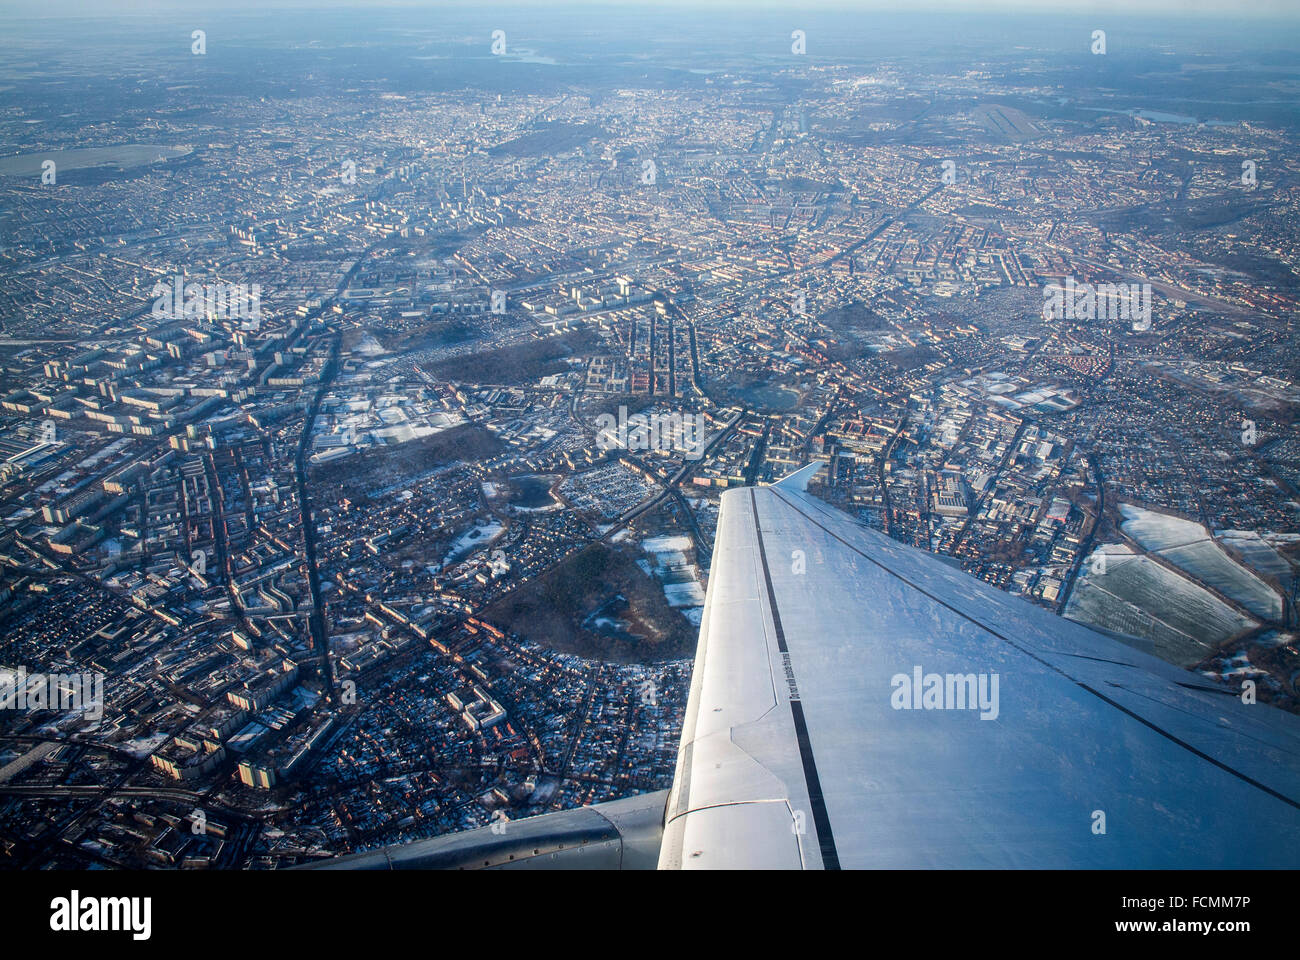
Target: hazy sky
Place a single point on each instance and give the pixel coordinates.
(1226, 8)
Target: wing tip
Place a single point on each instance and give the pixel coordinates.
(799, 479)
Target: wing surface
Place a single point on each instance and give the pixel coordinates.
(802, 749)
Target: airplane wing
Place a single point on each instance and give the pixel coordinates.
(859, 703)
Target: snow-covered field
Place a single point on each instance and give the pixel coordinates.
(1189, 547)
(1156, 531)
(1138, 597)
(666, 543)
(143, 746)
(471, 540)
(1258, 551)
(680, 579)
(686, 594)
(1207, 562)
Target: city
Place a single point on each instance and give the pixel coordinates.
(366, 406)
